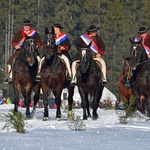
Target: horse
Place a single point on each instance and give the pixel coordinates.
(140, 80)
(53, 76)
(124, 90)
(24, 71)
(89, 82)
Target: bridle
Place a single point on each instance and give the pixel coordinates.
(49, 45)
(49, 42)
(134, 54)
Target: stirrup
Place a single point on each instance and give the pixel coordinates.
(7, 80)
(38, 78)
(73, 83)
(104, 82)
(69, 78)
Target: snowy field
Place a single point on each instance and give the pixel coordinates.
(106, 133)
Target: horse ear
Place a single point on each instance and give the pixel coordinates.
(140, 42)
(52, 30)
(46, 30)
(131, 41)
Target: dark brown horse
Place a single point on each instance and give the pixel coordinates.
(24, 71)
(53, 76)
(140, 80)
(125, 91)
(89, 82)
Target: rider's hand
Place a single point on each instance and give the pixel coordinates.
(98, 55)
(148, 55)
(62, 48)
(17, 47)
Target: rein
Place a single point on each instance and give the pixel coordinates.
(139, 63)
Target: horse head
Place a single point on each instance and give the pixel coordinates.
(137, 53)
(29, 49)
(49, 43)
(85, 58)
(126, 66)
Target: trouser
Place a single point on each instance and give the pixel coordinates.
(40, 60)
(103, 67)
(9, 71)
(74, 65)
(74, 70)
(67, 63)
(63, 57)
(10, 62)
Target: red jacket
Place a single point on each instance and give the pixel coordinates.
(98, 41)
(21, 34)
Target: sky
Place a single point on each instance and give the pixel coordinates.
(105, 133)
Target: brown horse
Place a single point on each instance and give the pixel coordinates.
(124, 90)
(24, 71)
(53, 76)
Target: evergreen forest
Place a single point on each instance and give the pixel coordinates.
(118, 20)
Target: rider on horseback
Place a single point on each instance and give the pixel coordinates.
(17, 43)
(97, 48)
(143, 35)
(63, 46)
(145, 39)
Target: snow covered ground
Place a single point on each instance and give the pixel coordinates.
(106, 133)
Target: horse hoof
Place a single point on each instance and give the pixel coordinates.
(45, 118)
(58, 116)
(28, 117)
(95, 117)
(84, 117)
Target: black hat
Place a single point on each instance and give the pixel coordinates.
(92, 28)
(142, 30)
(26, 22)
(57, 25)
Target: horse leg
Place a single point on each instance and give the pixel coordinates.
(84, 98)
(96, 100)
(45, 100)
(36, 98)
(26, 92)
(88, 106)
(147, 105)
(57, 95)
(70, 101)
(16, 96)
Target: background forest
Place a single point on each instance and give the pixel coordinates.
(118, 20)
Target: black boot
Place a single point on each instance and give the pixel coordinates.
(69, 78)
(7, 80)
(38, 78)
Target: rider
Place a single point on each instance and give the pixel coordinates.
(97, 48)
(63, 46)
(17, 43)
(146, 44)
(145, 39)
(143, 35)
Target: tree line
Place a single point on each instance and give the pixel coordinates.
(118, 20)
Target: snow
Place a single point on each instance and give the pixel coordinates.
(106, 133)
